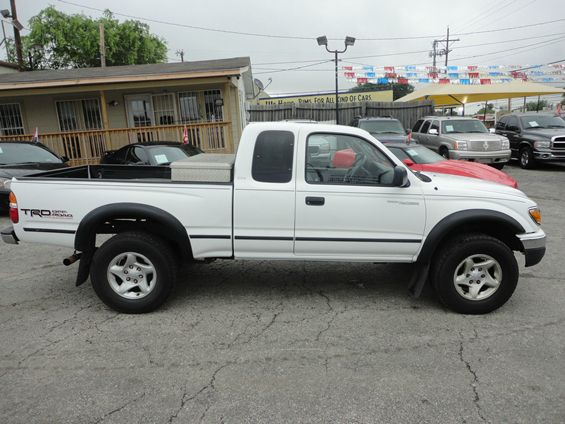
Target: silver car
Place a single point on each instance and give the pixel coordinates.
(456, 137)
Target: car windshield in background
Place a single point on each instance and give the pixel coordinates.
(382, 127)
(454, 126)
(16, 153)
(163, 155)
(542, 121)
(418, 154)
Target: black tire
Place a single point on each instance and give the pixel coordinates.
(444, 152)
(526, 158)
(498, 166)
(161, 258)
(450, 259)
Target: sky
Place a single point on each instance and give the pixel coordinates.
(362, 19)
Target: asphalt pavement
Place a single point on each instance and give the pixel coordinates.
(270, 342)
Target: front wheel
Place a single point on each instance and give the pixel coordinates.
(475, 274)
(526, 158)
(444, 152)
(133, 272)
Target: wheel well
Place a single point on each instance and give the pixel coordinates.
(115, 225)
(499, 230)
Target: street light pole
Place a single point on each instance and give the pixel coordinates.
(323, 41)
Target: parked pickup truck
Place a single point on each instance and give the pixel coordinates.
(274, 201)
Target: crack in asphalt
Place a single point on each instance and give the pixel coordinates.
(118, 409)
(475, 382)
(185, 399)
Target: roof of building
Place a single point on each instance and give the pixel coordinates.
(126, 73)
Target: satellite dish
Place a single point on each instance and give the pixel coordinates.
(259, 84)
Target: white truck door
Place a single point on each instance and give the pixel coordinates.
(264, 195)
(346, 207)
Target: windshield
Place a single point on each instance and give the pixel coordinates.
(418, 154)
(542, 121)
(391, 126)
(14, 153)
(463, 126)
(161, 155)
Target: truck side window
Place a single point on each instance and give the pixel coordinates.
(435, 126)
(272, 157)
(417, 125)
(344, 159)
(501, 125)
(425, 127)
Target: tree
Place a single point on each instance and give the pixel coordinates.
(398, 90)
(490, 109)
(57, 40)
(536, 105)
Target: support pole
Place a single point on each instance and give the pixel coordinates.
(102, 47)
(17, 38)
(336, 93)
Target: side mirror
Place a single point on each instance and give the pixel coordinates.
(408, 162)
(433, 131)
(491, 130)
(400, 178)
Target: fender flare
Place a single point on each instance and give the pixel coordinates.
(86, 232)
(443, 229)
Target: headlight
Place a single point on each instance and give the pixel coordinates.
(460, 145)
(535, 214)
(505, 144)
(541, 144)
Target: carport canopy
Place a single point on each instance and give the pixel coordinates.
(456, 95)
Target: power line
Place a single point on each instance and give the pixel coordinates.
(296, 37)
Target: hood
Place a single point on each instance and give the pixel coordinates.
(475, 137)
(545, 132)
(390, 138)
(20, 170)
(470, 169)
(471, 187)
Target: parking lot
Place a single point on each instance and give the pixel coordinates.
(308, 342)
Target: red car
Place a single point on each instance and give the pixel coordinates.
(420, 158)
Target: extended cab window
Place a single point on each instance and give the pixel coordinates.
(417, 125)
(501, 125)
(272, 157)
(344, 159)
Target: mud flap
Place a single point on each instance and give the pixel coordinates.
(84, 266)
(418, 280)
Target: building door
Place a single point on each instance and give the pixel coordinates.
(140, 114)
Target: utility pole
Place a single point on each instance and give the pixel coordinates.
(102, 47)
(443, 52)
(180, 53)
(17, 38)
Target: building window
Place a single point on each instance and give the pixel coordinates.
(11, 119)
(79, 115)
(164, 109)
(188, 107)
(213, 112)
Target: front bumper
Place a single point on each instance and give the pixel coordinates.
(549, 155)
(534, 246)
(501, 156)
(9, 236)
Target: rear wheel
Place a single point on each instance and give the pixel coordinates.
(133, 272)
(526, 158)
(475, 274)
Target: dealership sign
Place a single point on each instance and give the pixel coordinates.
(329, 98)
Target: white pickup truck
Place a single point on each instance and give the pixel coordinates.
(293, 192)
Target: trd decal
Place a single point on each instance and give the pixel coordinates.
(46, 213)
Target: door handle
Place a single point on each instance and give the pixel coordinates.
(315, 201)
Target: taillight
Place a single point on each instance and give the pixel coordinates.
(14, 214)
